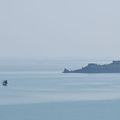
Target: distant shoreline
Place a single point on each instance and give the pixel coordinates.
(113, 67)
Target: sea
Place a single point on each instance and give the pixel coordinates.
(38, 90)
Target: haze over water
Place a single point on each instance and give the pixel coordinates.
(39, 90)
(39, 29)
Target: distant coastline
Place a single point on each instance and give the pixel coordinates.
(113, 67)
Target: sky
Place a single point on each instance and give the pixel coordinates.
(59, 28)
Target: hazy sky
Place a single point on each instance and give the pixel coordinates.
(59, 28)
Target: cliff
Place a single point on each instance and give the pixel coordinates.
(113, 67)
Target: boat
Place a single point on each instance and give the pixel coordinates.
(5, 83)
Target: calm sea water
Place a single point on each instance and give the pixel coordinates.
(39, 90)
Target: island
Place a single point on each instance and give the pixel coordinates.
(113, 67)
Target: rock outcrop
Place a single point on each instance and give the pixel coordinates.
(113, 67)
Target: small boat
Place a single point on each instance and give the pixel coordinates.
(5, 83)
